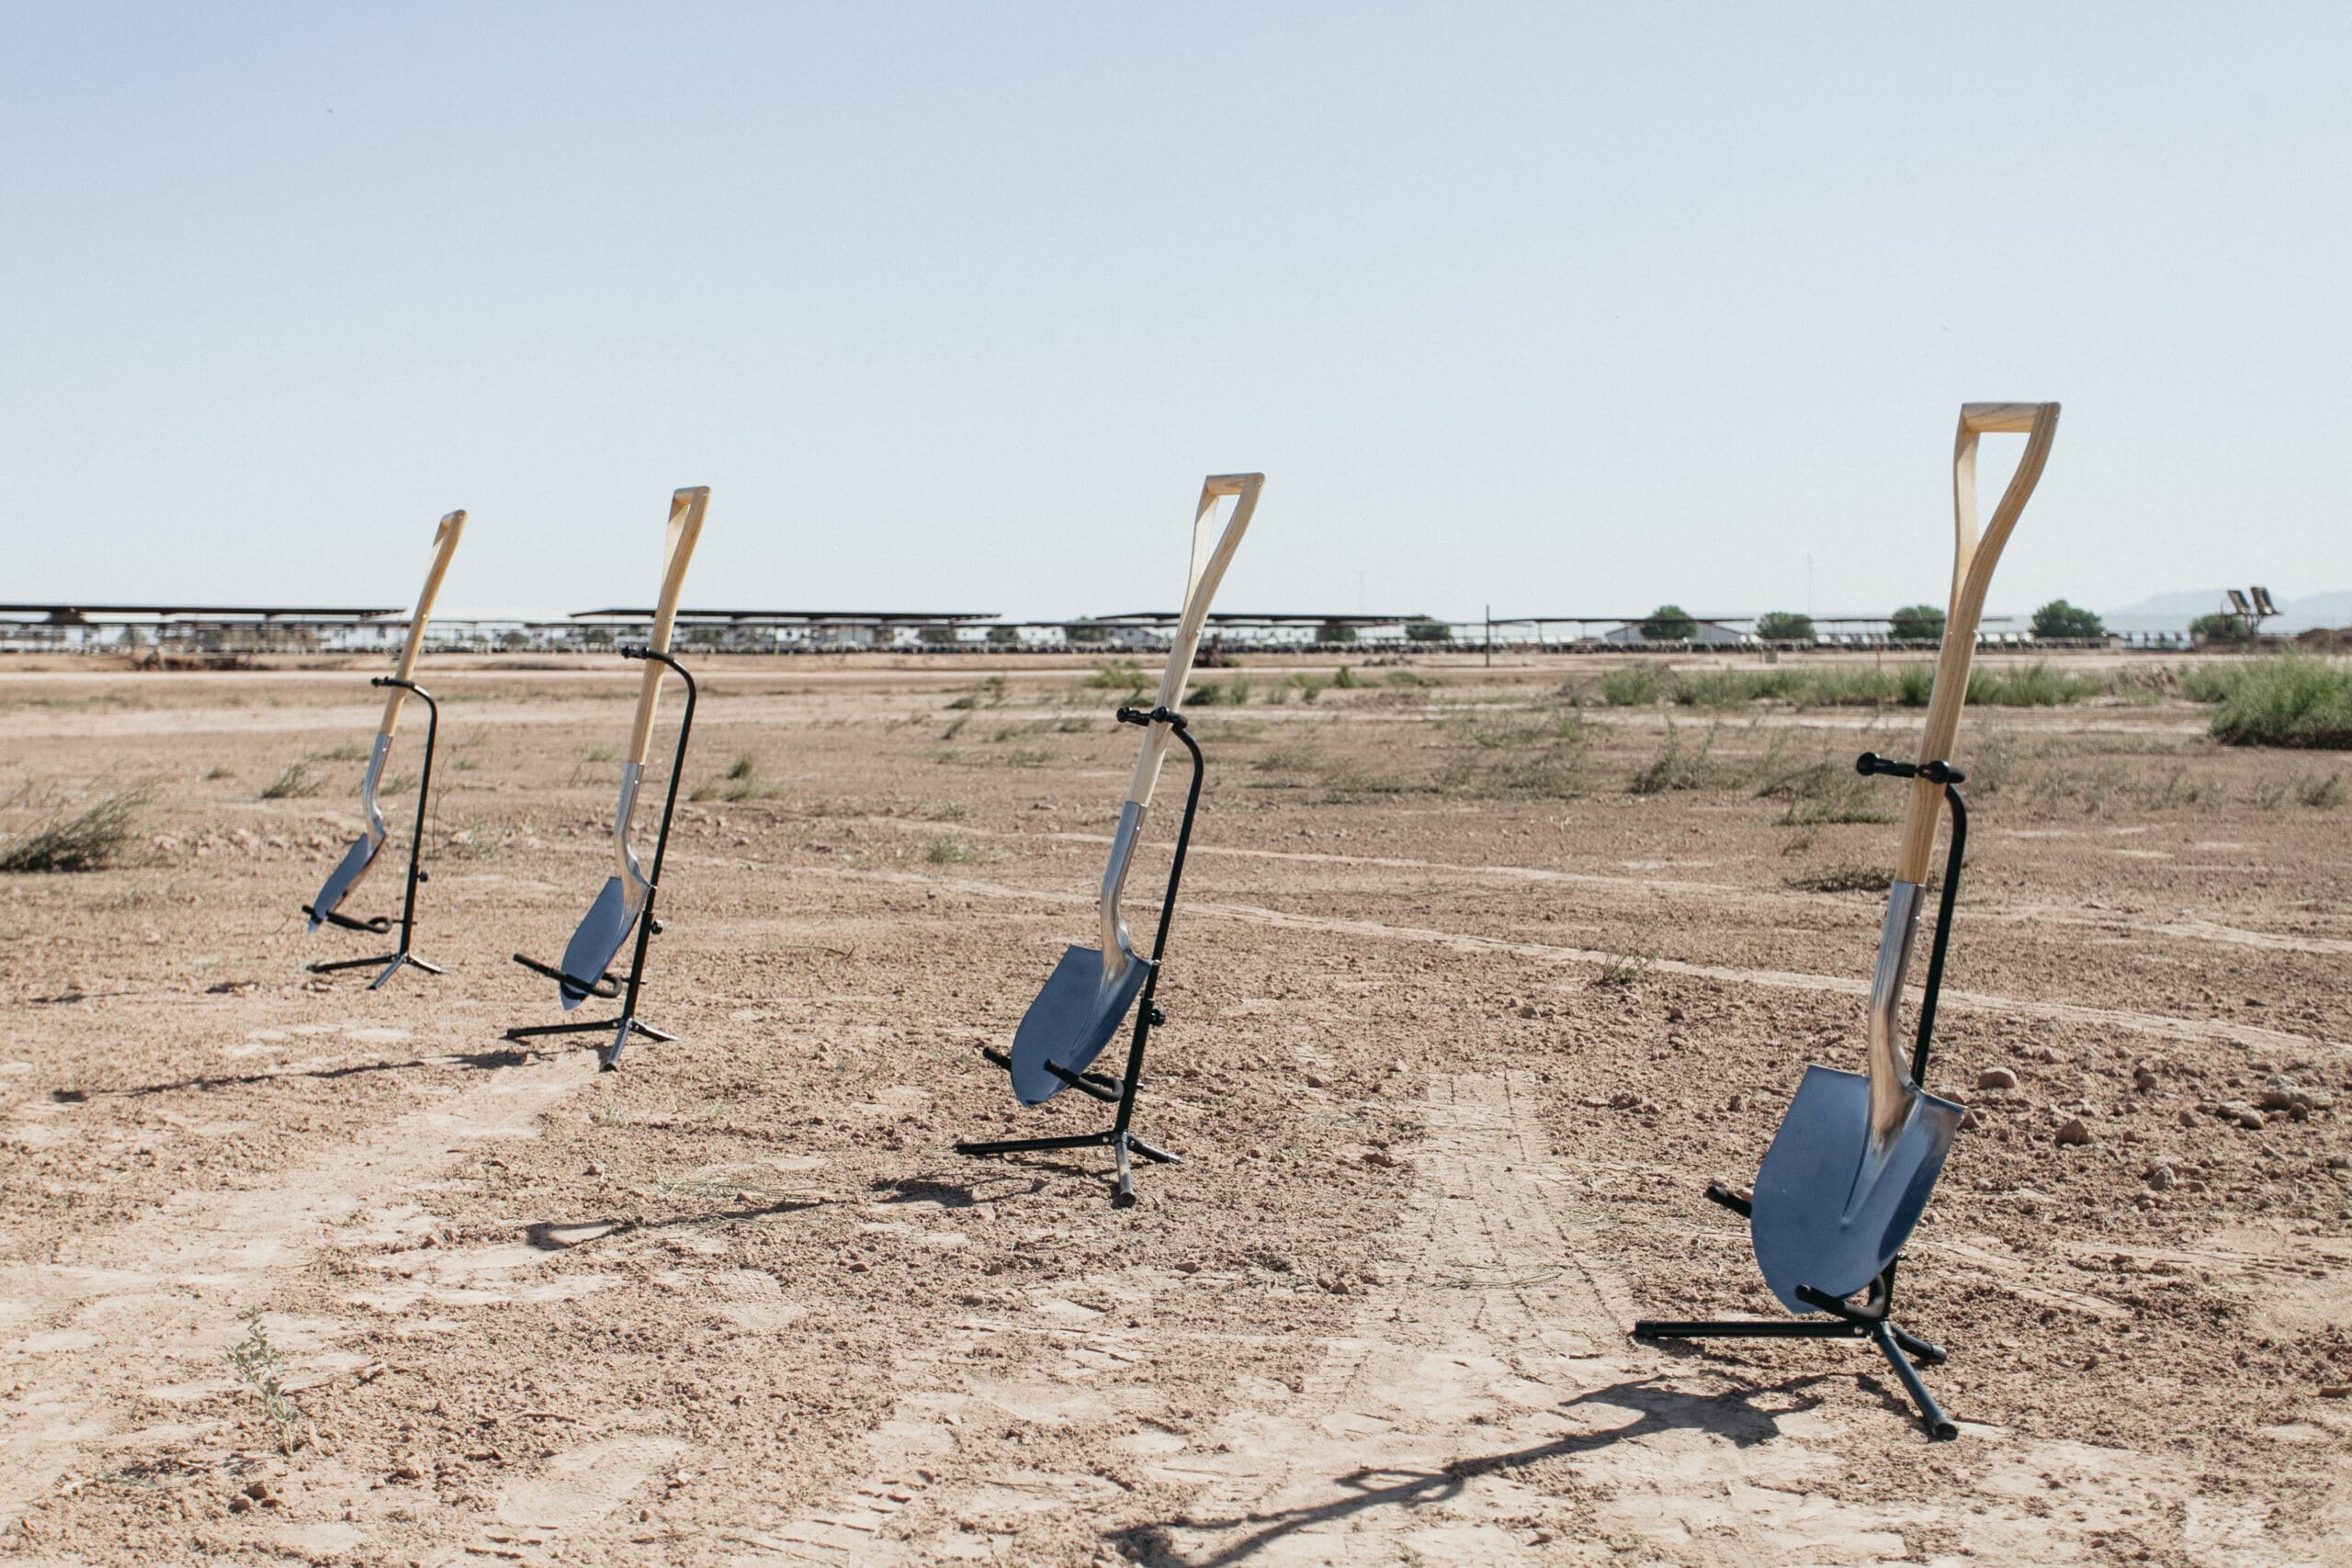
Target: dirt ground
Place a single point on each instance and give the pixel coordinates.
(1476, 983)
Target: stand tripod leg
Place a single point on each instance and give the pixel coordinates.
(394, 967)
(1156, 1157)
(608, 1060)
(1940, 1426)
(1033, 1145)
(331, 965)
(1920, 1349)
(1124, 1194)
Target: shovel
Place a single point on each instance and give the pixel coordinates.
(613, 914)
(1850, 1169)
(1092, 987)
(361, 856)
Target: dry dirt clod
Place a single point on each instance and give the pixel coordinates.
(1996, 1077)
(2075, 1134)
(2160, 1177)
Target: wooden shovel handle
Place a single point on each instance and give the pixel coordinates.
(1211, 556)
(445, 545)
(686, 507)
(1974, 557)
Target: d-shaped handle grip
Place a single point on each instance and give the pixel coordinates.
(2000, 419)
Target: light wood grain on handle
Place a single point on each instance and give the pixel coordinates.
(686, 508)
(1974, 556)
(1207, 570)
(445, 545)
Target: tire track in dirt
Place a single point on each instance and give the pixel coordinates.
(2163, 1026)
(1489, 1408)
(149, 1308)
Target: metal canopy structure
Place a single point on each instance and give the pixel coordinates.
(803, 618)
(82, 615)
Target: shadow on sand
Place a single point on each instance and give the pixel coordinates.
(1745, 1414)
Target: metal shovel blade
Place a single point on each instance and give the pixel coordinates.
(598, 940)
(344, 878)
(1828, 1212)
(1071, 1021)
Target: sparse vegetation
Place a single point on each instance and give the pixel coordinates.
(260, 1369)
(1347, 679)
(2038, 684)
(1844, 876)
(741, 781)
(89, 839)
(948, 851)
(297, 782)
(1823, 791)
(1673, 768)
(1627, 969)
(1119, 675)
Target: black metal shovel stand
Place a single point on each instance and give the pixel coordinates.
(393, 962)
(1874, 1319)
(1118, 1138)
(608, 985)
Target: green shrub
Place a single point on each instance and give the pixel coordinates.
(2035, 686)
(1634, 686)
(1346, 679)
(1729, 688)
(1427, 630)
(1784, 626)
(2292, 700)
(1119, 675)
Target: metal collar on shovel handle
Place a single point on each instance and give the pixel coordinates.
(1850, 1169)
(362, 853)
(614, 914)
(1091, 989)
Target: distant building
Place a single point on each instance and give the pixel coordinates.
(1709, 633)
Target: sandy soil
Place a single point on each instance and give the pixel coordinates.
(1460, 1024)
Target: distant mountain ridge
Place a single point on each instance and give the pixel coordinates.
(2173, 612)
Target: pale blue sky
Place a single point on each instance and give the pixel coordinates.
(1564, 307)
